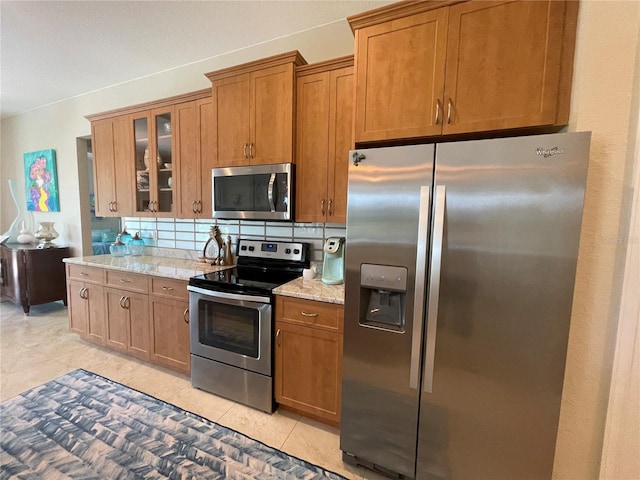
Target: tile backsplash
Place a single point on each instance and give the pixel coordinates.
(191, 235)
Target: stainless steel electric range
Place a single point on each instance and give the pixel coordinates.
(231, 321)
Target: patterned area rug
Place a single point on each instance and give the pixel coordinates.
(84, 426)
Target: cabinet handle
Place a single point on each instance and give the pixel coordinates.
(127, 302)
(124, 280)
(322, 206)
(449, 105)
(121, 302)
(193, 206)
(82, 292)
(330, 206)
(167, 289)
(84, 274)
(437, 111)
(278, 337)
(199, 202)
(185, 315)
(244, 151)
(305, 314)
(251, 150)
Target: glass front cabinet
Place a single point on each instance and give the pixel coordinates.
(154, 191)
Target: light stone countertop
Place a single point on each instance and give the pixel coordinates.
(312, 290)
(178, 268)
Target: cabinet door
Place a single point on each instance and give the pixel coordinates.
(309, 370)
(117, 319)
(340, 142)
(145, 164)
(163, 167)
(187, 165)
(503, 65)
(95, 322)
(104, 178)
(78, 311)
(312, 147)
(124, 169)
(206, 144)
(271, 115)
(170, 333)
(400, 68)
(138, 334)
(231, 121)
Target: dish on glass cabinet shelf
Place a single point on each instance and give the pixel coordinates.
(167, 165)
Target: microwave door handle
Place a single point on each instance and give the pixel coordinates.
(272, 181)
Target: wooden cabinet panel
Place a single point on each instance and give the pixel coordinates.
(104, 177)
(86, 302)
(85, 274)
(170, 288)
(312, 148)
(254, 111)
(127, 322)
(117, 317)
(133, 282)
(195, 157)
(271, 115)
(400, 77)
(231, 100)
(170, 333)
(326, 316)
(324, 137)
(474, 66)
(309, 370)
(340, 142)
(503, 65)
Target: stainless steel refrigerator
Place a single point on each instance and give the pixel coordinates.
(460, 268)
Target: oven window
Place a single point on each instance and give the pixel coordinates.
(228, 327)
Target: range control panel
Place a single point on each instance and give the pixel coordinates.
(276, 250)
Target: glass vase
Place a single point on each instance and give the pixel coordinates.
(46, 234)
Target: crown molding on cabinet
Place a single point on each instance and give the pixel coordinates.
(289, 57)
(333, 64)
(185, 97)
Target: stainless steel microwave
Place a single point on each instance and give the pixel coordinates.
(259, 192)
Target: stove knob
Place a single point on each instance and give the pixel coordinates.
(296, 251)
(287, 251)
(243, 248)
(251, 249)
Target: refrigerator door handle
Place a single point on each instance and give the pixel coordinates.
(421, 274)
(434, 288)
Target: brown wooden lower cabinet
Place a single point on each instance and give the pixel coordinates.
(308, 359)
(143, 316)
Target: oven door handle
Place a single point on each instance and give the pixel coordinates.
(230, 296)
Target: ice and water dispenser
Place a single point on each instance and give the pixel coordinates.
(384, 290)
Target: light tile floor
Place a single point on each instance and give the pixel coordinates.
(37, 348)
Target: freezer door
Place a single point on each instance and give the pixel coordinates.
(386, 254)
(509, 218)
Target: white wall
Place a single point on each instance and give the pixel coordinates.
(605, 101)
(58, 125)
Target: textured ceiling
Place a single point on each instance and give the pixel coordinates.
(55, 50)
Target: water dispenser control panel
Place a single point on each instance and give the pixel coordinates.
(383, 277)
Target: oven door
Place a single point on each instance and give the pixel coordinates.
(231, 328)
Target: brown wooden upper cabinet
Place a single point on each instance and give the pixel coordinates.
(138, 151)
(111, 147)
(195, 157)
(423, 69)
(254, 111)
(324, 136)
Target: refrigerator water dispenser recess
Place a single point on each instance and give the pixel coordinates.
(384, 288)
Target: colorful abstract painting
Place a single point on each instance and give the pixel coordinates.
(41, 181)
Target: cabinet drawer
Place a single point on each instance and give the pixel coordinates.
(169, 288)
(86, 274)
(128, 281)
(328, 316)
